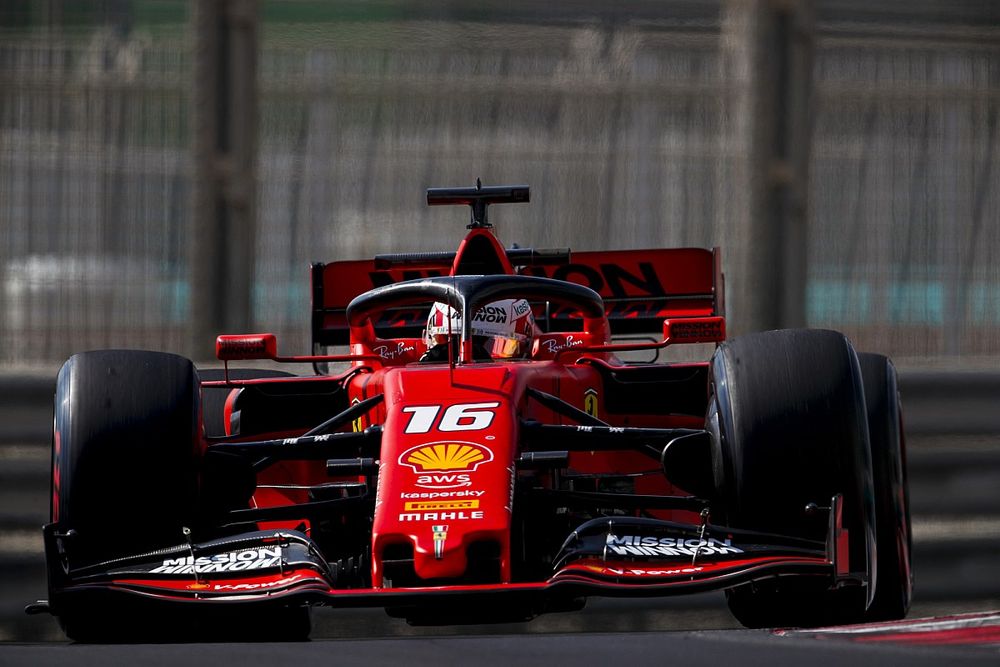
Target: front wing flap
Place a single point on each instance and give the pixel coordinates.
(661, 557)
(615, 557)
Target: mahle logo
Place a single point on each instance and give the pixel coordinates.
(446, 457)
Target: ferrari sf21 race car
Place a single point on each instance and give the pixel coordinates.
(484, 454)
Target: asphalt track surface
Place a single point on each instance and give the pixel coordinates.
(971, 639)
(719, 647)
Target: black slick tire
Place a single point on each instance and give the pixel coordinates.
(126, 447)
(894, 573)
(789, 425)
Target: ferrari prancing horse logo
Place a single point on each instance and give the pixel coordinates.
(440, 535)
(590, 402)
(358, 424)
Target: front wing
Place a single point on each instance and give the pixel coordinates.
(614, 557)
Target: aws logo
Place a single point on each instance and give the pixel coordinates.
(446, 457)
(443, 465)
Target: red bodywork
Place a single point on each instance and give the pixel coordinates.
(451, 509)
(474, 502)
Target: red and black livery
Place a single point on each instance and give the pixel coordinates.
(469, 489)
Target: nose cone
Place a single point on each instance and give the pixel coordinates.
(446, 475)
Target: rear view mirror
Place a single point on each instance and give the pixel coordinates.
(695, 330)
(246, 346)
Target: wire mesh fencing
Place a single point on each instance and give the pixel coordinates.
(616, 120)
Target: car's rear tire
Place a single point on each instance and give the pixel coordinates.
(894, 580)
(788, 419)
(213, 399)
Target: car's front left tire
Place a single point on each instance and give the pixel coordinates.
(788, 417)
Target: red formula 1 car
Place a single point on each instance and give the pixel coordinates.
(485, 456)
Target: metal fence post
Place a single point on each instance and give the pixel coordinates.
(767, 54)
(223, 221)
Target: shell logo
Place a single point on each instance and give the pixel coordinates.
(446, 457)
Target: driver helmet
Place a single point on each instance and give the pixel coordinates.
(504, 329)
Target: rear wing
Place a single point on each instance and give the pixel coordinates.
(640, 288)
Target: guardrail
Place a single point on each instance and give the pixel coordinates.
(935, 402)
(952, 426)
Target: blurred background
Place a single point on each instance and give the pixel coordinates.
(134, 137)
(169, 169)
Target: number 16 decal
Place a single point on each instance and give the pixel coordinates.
(458, 417)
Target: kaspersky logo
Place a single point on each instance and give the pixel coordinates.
(444, 465)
